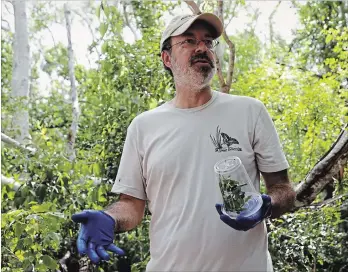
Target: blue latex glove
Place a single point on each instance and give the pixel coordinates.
(245, 223)
(96, 235)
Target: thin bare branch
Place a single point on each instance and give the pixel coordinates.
(54, 41)
(89, 23)
(128, 23)
(329, 201)
(6, 7)
(270, 21)
(193, 6)
(232, 13)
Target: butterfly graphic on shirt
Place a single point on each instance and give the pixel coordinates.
(223, 142)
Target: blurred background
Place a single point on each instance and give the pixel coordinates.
(75, 73)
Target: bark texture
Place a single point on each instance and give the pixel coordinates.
(20, 73)
(74, 96)
(323, 172)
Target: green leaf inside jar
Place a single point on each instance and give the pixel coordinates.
(233, 196)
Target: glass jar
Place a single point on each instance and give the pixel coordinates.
(238, 193)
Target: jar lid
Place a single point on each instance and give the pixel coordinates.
(227, 165)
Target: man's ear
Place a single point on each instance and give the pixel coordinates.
(166, 58)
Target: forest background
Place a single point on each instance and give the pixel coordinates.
(75, 73)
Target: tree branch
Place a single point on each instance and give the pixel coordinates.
(219, 72)
(193, 6)
(232, 13)
(63, 261)
(10, 2)
(128, 24)
(226, 88)
(9, 140)
(54, 41)
(74, 97)
(323, 172)
(270, 18)
(7, 27)
(329, 201)
(88, 23)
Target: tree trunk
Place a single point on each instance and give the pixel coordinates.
(322, 173)
(20, 73)
(225, 84)
(74, 97)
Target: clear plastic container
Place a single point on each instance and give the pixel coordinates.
(238, 193)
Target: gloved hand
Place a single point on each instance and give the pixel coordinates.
(96, 235)
(245, 223)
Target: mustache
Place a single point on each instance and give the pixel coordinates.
(202, 56)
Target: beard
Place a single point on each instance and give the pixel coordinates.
(191, 74)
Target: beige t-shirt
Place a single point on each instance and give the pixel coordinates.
(168, 159)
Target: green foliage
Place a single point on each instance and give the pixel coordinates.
(41, 19)
(56, 59)
(36, 225)
(311, 45)
(248, 52)
(6, 76)
(304, 108)
(147, 14)
(30, 236)
(306, 240)
(308, 110)
(6, 64)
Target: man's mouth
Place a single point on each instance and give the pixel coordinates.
(202, 60)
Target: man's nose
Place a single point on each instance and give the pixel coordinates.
(201, 47)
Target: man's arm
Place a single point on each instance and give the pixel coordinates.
(281, 192)
(128, 212)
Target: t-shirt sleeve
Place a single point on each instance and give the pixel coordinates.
(130, 179)
(266, 144)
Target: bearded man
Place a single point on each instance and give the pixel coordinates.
(168, 159)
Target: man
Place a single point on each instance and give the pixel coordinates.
(168, 160)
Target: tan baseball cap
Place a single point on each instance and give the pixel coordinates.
(179, 24)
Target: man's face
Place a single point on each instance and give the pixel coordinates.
(192, 64)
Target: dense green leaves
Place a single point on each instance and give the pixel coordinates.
(307, 239)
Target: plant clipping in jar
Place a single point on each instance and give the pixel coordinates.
(232, 194)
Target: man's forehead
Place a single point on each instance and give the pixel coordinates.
(200, 26)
